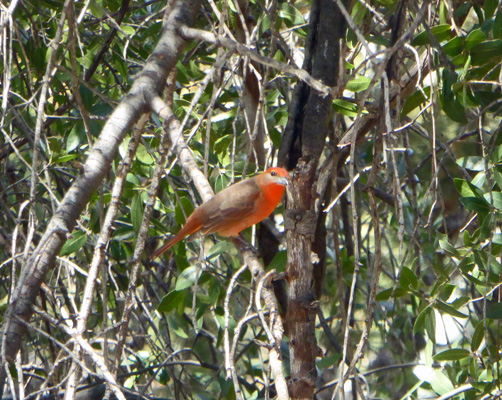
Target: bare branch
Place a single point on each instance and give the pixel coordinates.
(150, 81)
(236, 47)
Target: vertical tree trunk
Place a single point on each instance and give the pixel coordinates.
(327, 32)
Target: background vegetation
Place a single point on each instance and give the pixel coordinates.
(117, 118)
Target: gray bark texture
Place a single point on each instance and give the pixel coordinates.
(150, 82)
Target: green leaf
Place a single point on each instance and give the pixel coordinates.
(123, 233)
(485, 230)
(388, 293)
(467, 189)
(481, 258)
(223, 116)
(468, 239)
(496, 197)
(276, 137)
(478, 336)
(454, 47)
(474, 38)
(448, 248)
(171, 301)
(214, 291)
(358, 12)
(452, 355)
(290, 14)
(441, 32)
(179, 328)
(222, 182)
(497, 238)
(74, 244)
(222, 144)
(186, 207)
(346, 108)
(490, 7)
(462, 10)
(408, 278)
(222, 247)
(73, 140)
(487, 52)
(415, 100)
(472, 163)
(187, 277)
(96, 9)
(453, 109)
(448, 309)
(143, 155)
(441, 384)
(426, 321)
(460, 301)
(497, 26)
(494, 311)
(65, 158)
(475, 204)
(479, 180)
(496, 157)
(430, 324)
(446, 291)
(328, 362)
(358, 84)
(87, 96)
(136, 212)
(279, 261)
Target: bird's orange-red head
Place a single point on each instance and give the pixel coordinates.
(275, 175)
(272, 183)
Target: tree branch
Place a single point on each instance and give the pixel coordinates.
(149, 82)
(236, 47)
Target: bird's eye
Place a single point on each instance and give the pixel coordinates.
(273, 173)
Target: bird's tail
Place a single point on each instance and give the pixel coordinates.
(164, 248)
(191, 227)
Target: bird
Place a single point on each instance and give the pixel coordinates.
(235, 208)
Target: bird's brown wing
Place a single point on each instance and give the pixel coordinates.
(229, 207)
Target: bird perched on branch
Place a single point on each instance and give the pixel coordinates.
(235, 208)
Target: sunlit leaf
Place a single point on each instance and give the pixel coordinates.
(415, 100)
(74, 244)
(452, 355)
(473, 163)
(474, 38)
(441, 32)
(441, 384)
(346, 108)
(358, 84)
(448, 248)
(494, 198)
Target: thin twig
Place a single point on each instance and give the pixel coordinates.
(233, 46)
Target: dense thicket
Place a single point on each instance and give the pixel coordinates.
(377, 278)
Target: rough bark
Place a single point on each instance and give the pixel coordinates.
(290, 151)
(150, 81)
(302, 215)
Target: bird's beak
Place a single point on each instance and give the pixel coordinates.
(283, 181)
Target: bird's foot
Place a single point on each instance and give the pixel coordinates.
(245, 245)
